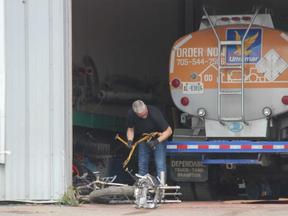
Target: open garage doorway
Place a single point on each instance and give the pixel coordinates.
(120, 54)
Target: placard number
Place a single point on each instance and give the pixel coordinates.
(208, 77)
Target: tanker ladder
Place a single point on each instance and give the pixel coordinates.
(239, 66)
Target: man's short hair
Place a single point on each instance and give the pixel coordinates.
(138, 106)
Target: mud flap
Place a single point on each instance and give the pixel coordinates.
(188, 168)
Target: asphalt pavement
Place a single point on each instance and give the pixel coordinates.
(217, 208)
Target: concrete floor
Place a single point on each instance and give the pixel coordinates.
(219, 208)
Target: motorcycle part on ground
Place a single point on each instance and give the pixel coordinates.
(150, 194)
(147, 193)
(81, 181)
(111, 194)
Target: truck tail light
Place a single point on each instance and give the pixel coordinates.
(184, 101)
(225, 18)
(175, 83)
(285, 100)
(236, 18)
(246, 18)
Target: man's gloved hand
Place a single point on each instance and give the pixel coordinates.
(130, 143)
(152, 143)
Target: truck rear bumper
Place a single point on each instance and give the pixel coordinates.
(175, 147)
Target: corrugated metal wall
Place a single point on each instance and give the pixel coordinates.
(2, 81)
(38, 100)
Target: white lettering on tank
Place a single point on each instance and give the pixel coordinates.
(190, 52)
(213, 52)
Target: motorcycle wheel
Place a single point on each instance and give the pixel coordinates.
(106, 195)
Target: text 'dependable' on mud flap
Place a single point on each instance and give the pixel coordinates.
(188, 168)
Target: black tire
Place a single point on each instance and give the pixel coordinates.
(77, 168)
(188, 191)
(276, 190)
(253, 191)
(105, 195)
(205, 191)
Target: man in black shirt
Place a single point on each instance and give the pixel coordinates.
(148, 119)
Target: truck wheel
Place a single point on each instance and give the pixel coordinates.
(106, 195)
(188, 191)
(205, 191)
(276, 190)
(253, 191)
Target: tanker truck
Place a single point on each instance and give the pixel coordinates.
(230, 82)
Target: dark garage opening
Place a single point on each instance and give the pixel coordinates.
(121, 53)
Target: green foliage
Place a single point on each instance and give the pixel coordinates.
(69, 198)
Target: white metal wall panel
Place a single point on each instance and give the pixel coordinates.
(15, 168)
(2, 81)
(38, 117)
